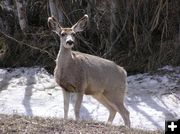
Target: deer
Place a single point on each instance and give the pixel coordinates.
(87, 74)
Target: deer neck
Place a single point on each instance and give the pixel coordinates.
(64, 56)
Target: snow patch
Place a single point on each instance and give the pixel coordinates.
(152, 97)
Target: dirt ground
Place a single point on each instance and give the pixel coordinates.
(13, 124)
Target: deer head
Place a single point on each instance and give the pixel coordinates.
(67, 35)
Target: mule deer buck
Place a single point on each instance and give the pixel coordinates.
(87, 74)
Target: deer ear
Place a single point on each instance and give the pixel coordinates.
(53, 24)
(81, 24)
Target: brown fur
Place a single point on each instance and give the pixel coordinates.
(91, 75)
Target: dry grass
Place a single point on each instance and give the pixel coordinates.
(21, 124)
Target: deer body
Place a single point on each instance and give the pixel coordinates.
(87, 74)
(91, 72)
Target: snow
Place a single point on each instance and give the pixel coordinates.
(151, 99)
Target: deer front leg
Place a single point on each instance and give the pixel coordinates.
(66, 103)
(78, 105)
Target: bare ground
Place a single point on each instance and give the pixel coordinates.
(13, 124)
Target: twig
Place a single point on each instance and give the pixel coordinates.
(22, 43)
(118, 36)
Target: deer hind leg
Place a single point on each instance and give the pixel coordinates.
(124, 113)
(118, 103)
(66, 103)
(103, 100)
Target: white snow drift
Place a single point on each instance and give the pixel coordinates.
(152, 97)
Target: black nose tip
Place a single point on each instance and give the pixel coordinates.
(70, 42)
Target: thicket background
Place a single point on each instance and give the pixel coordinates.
(140, 35)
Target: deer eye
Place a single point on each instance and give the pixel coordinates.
(73, 34)
(63, 34)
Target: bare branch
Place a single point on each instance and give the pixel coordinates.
(22, 43)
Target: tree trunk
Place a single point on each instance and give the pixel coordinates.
(22, 15)
(56, 10)
(53, 9)
(7, 27)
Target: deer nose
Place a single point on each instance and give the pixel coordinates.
(70, 42)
